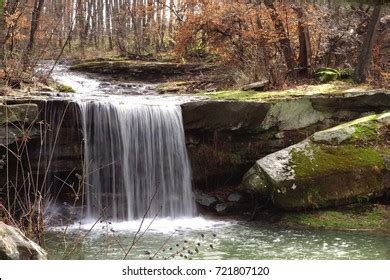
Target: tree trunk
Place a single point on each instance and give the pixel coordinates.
(283, 38)
(304, 42)
(81, 25)
(108, 24)
(35, 16)
(2, 35)
(364, 59)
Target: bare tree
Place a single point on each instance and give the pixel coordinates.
(283, 38)
(2, 33)
(35, 16)
(304, 42)
(364, 59)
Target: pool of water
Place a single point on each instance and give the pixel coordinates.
(200, 238)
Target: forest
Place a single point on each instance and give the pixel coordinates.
(194, 129)
(283, 42)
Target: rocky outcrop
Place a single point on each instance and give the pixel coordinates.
(225, 138)
(344, 164)
(14, 245)
(15, 120)
(44, 138)
(150, 71)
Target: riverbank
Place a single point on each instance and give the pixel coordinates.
(358, 217)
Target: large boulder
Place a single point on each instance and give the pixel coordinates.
(14, 245)
(337, 166)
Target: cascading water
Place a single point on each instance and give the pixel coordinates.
(135, 161)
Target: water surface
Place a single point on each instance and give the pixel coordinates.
(213, 239)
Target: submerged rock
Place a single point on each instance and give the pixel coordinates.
(333, 167)
(204, 199)
(239, 197)
(226, 208)
(14, 245)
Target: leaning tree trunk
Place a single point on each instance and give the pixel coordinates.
(364, 59)
(35, 16)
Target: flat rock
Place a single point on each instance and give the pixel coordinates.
(257, 86)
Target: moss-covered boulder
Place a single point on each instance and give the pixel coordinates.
(325, 75)
(337, 166)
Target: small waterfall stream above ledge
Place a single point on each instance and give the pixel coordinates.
(135, 160)
(134, 157)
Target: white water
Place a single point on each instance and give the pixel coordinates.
(135, 158)
(135, 161)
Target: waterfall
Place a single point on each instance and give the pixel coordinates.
(135, 161)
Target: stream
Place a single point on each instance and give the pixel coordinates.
(192, 237)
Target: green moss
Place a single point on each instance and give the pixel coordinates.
(325, 75)
(179, 86)
(366, 129)
(334, 88)
(323, 159)
(366, 132)
(65, 88)
(360, 217)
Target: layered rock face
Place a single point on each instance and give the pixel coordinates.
(150, 71)
(42, 140)
(21, 115)
(225, 138)
(14, 245)
(345, 164)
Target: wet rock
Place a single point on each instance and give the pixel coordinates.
(14, 245)
(225, 207)
(241, 197)
(204, 199)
